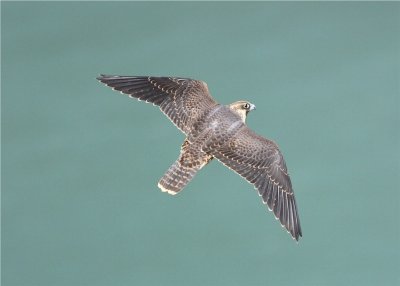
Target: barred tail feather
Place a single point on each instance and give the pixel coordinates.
(176, 178)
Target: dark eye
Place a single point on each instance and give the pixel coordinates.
(246, 106)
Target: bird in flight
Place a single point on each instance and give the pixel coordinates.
(216, 131)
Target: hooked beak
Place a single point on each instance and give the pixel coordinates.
(252, 107)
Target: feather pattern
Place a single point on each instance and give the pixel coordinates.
(261, 163)
(215, 131)
(182, 100)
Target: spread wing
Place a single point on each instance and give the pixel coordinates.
(183, 100)
(261, 163)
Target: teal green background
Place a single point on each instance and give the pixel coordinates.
(80, 162)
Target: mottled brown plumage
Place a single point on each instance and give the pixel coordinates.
(215, 131)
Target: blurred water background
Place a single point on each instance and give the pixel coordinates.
(80, 163)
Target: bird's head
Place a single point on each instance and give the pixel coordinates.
(242, 108)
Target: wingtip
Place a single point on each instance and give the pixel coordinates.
(100, 77)
(296, 235)
(104, 76)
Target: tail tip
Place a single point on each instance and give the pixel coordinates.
(165, 190)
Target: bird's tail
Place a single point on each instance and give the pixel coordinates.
(176, 178)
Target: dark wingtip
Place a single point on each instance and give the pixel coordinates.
(298, 235)
(104, 76)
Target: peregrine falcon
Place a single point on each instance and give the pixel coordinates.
(218, 131)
